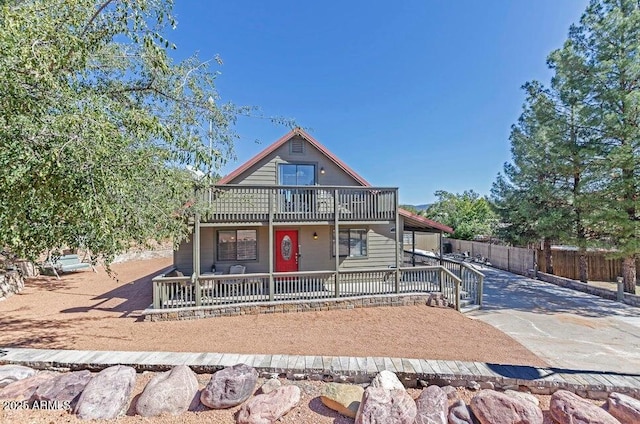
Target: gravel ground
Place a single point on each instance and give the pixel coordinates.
(95, 311)
(309, 410)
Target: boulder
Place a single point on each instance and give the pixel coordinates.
(380, 405)
(387, 380)
(492, 407)
(523, 395)
(450, 391)
(270, 385)
(432, 406)
(230, 387)
(625, 408)
(11, 373)
(63, 388)
(170, 392)
(459, 413)
(270, 407)
(23, 389)
(106, 396)
(569, 408)
(343, 398)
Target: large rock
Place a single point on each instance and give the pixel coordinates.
(230, 387)
(270, 407)
(270, 385)
(106, 396)
(344, 398)
(170, 392)
(11, 373)
(491, 407)
(459, 413)
(625, 408)
(63, 388)
(387, 380)
(23, 389)
(432, 406)
(523, 395)
(569, 408)
(382, 406)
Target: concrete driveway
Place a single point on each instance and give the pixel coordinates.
(566, 328)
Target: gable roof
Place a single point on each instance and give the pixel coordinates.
(411, 220)
(295, 132)
(417, 222)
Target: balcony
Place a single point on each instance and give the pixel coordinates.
(244, 203)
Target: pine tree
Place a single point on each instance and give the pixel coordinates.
(604, 52)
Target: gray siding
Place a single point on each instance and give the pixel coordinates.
(265, 172)
(317, 254)
(183, 257)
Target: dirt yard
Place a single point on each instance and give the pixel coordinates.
(93, 311)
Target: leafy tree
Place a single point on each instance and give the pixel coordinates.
(468, 214)
(97, 125)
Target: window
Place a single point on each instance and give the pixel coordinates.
(297, 174)
(237, 245)
(352, 243)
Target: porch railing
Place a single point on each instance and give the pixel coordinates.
(254, 203)
(472, 279)
(182, 292)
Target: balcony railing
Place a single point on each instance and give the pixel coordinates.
(243, 203)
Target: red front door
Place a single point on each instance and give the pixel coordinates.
(286, 250)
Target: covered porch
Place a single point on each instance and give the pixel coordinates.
(312, 269)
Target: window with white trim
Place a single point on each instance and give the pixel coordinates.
(237, 245)
(352, 243)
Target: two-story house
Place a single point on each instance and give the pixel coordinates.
(296, 207)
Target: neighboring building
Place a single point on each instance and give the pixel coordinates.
(281, 211)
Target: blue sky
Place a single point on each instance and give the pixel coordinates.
(418, 94)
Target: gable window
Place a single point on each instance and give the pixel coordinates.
(297, 174)
(352, 243)
(237, 245)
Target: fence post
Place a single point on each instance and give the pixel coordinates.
(336, 286)
(480, 288)
(156, 295)
(457, 281)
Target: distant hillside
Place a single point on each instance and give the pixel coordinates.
(419, 208)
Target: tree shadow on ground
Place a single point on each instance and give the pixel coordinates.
(137, 295)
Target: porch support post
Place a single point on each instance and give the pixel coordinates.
(336, 216)
(195, 278)
(441, 248)
(271, 282)
(413, 249)
(397, 240)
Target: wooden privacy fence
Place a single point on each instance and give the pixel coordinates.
(521, 261)
(566, 264)
(513, 259)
